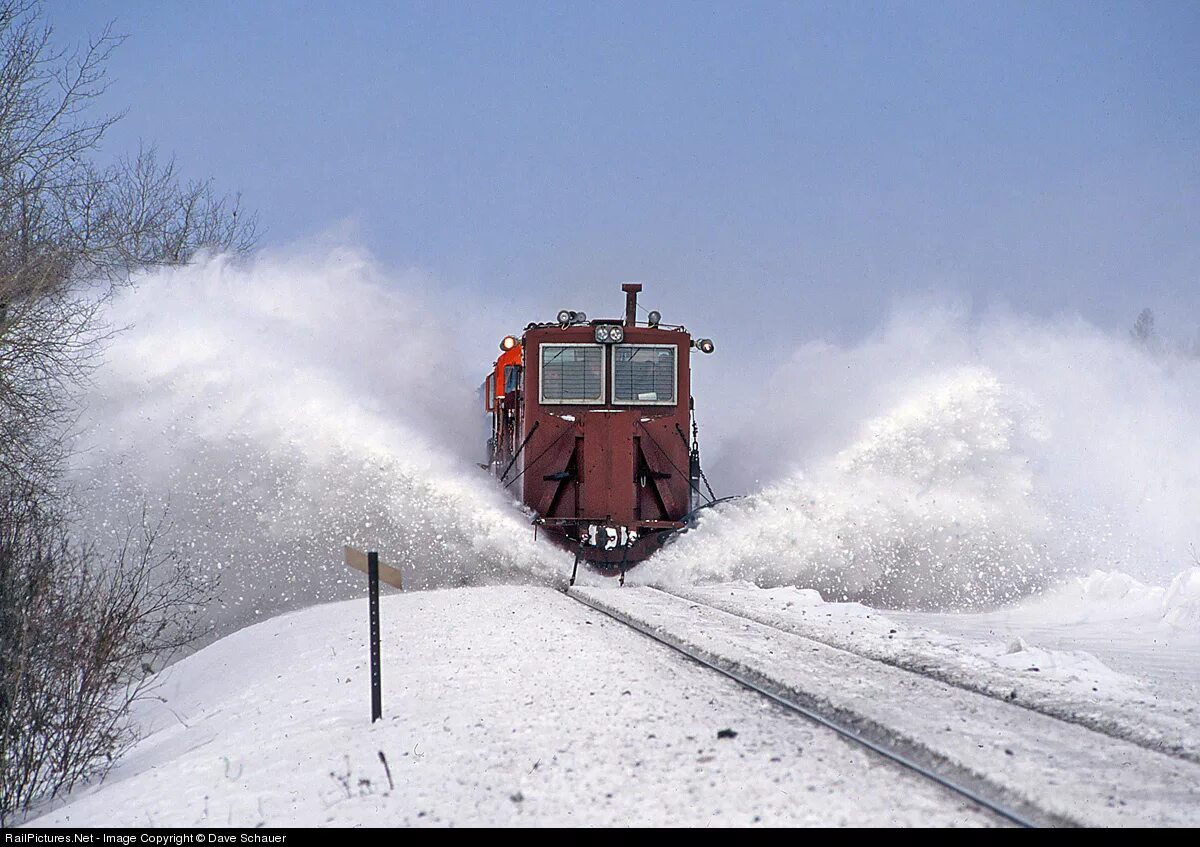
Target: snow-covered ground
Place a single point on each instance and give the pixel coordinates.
(945, 711)
(517, 705)
(1104, 651)
(1138, 646)
(503, 705)
(1150, 635)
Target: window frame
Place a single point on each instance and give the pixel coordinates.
(513, 384)
(674, 377)
(543, 400)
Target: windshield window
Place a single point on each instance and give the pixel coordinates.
(644, 374)
(572, 373)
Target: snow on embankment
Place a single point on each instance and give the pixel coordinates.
(949, 463)
(1060, 666)
(502, 706)
(1106, 596)
(282, 406)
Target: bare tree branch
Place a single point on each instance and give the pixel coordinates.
(80, 630)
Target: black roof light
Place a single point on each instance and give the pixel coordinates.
(567, 317)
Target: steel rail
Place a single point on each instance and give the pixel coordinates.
(845, 732)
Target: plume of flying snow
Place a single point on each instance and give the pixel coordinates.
(950, 463)
(279, 407)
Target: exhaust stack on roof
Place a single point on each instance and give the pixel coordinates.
(631, 290)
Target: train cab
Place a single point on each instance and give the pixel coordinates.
(592, 423)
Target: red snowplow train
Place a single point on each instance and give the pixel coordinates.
(592, 421)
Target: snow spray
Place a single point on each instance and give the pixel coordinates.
(950, 463)
(280, 407)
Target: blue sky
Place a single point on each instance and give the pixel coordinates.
(789, 170)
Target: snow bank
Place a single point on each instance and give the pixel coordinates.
(1114, 596)
(283, 406)
(1132, 681)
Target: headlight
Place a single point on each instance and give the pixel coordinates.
(564, 317)
(610, 333)
(508, 342)
(654, 318)
(705, 345)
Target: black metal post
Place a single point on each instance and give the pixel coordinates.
(376, 684)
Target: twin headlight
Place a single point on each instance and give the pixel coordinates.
(610, 333)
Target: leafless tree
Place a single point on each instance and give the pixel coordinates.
(81, 635)
(63, 219)
(79, 629)
(64, 222)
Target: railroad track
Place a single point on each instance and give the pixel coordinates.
(1026, 768)
(1022, 818)
(1148, 720)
